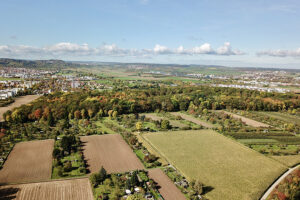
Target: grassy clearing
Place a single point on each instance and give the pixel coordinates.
(290, 160)
(233, 170)
(282, 116)
(158, 117)
(77, 163)
(102, 127)
(194, 120)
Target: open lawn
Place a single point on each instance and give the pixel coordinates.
(173, 123)
(75, 189)
(166, 187)
(28, 161)
(111, 152)
(193, 119)
(234, 171)
(18, 102)
(247, 121)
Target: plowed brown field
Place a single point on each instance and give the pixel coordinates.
(76, 189)
(111, 152)
(167, 188)
(28, 161)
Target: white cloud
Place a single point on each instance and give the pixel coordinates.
(280, 53)
(159, 49)
(226, 50)
(71, 49)
(203, 49)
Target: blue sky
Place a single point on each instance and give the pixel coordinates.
(258, 33)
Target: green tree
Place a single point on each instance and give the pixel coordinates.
(102, 175)
(165, 124)
(50, 120)
(83, 113)
(139, 126)
(115, 114)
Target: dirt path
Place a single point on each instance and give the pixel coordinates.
(18, 102)
(192, 119)
(167, 189)
(248, 121)
(272, 187)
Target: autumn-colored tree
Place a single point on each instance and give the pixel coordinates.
(90, 113)
(83, 113)
(115, 114)
(46, 112)
(110, 113)
(77, 114)
(139, 126)
(38, 113)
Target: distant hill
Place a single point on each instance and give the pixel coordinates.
(59, 64)
(53, 64)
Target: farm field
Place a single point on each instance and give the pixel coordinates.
(193, 119)
(173, 123)
(248, 121)
(75, 189)
(150, 148)
(233, 171)
(282, 116)
(167, 188)
(18, 102)
(111, 152)
(28, 161)
(289, 160)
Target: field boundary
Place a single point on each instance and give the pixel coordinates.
(45, 181)
(7, 155)
(164, 156)
(277, 181)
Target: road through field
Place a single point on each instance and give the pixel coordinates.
(75, 189)
(111, 152)
(18, 102)
(273, 186)
(28, 161)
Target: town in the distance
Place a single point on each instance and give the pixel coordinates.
(139, 131)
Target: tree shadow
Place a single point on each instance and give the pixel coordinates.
(207, 189)
(9, 193)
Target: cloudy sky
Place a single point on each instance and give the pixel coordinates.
(256, 33)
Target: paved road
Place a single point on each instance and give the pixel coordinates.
(277, 182)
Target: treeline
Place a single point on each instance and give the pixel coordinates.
(89, 104)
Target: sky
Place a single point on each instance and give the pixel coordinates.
(247, 33)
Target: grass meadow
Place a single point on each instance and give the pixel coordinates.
(232, 170)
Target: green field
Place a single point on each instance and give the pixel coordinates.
(234, 171)
(290, 160)
(283, 116)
